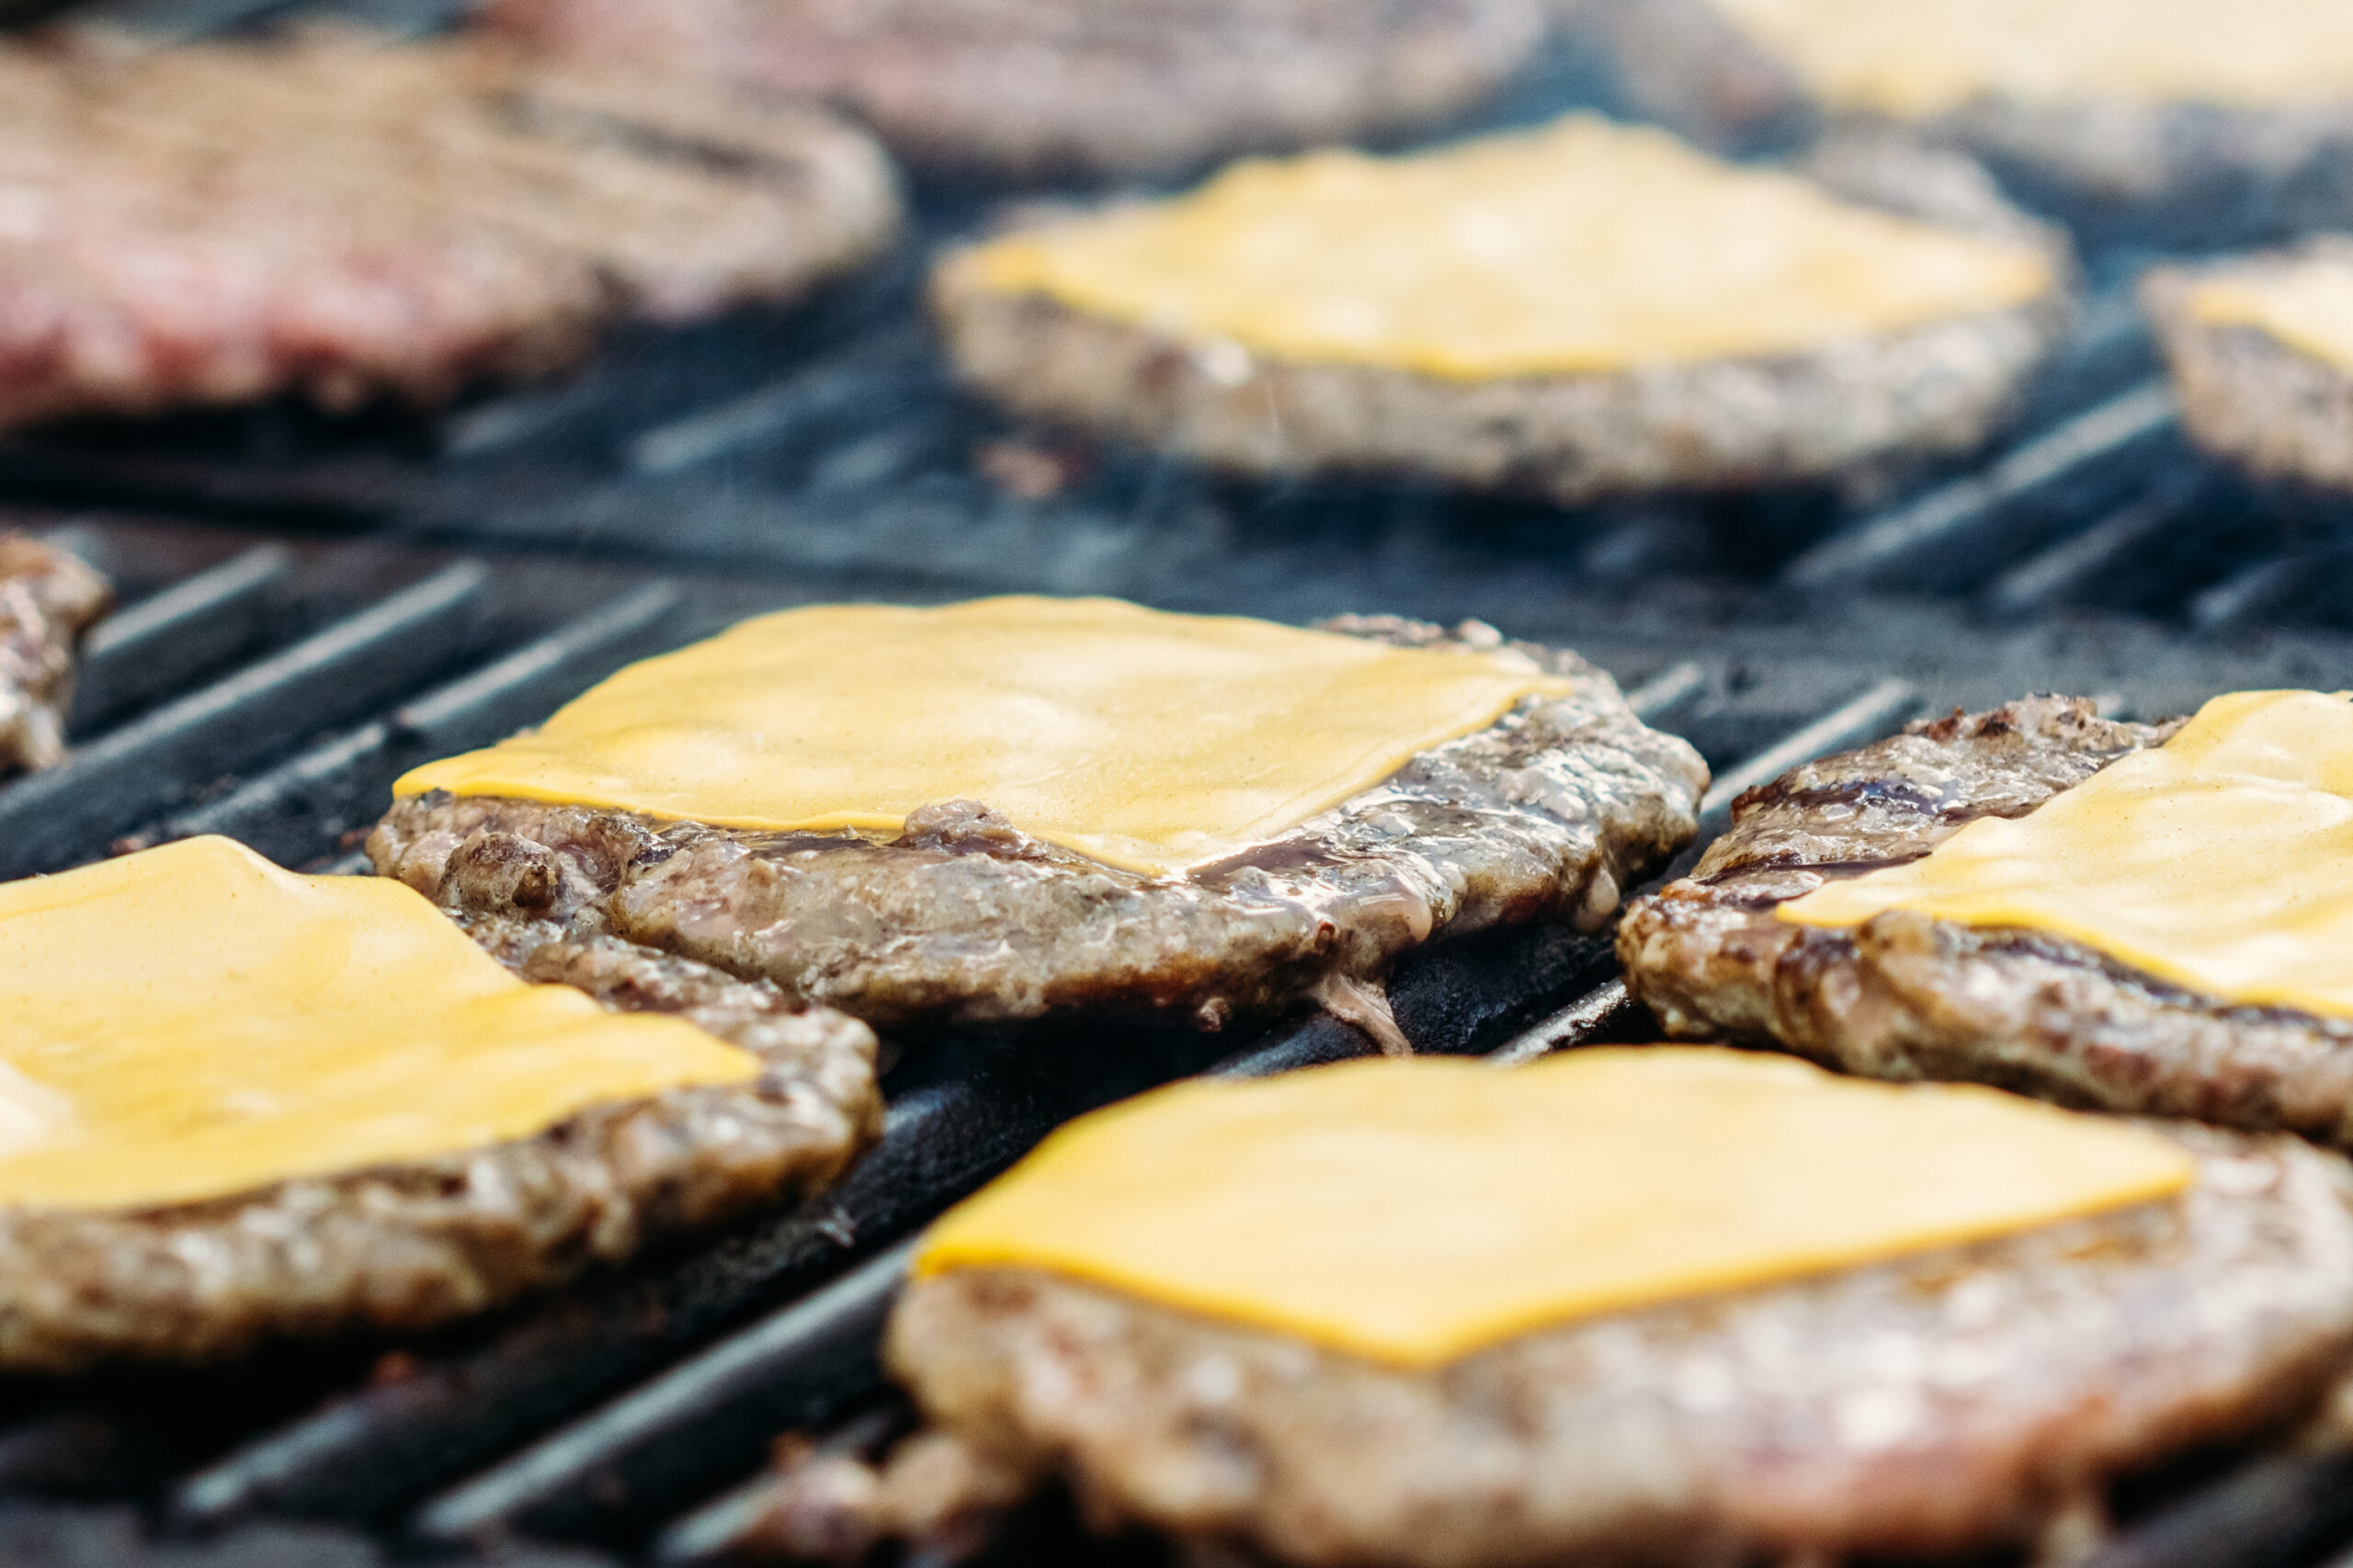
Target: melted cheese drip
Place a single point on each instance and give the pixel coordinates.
(1916, 58)
(1413, 1211)
(192, 1022)
(1584, 247)
(2306, 304)
(1144, 740)
(2222, 861)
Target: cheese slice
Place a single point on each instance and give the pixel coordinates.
(1413, 1211)
(192, 1022)
(2222, 861)
(1917, 57)
(1145, 740)
(2306, 304)
(1583, 246)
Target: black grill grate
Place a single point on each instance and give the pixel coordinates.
(273, 689)
(372, 593)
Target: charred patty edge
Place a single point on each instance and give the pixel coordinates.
(1907, 996)
(408, 1246)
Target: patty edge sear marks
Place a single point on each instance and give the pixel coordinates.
(1907, 997)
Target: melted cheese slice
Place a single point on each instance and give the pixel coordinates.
(192, 1022)
(1916, 58)
(2222, 861)
(1144, 740)
(2306, 304)
(1585, 247)
(1413, 1211)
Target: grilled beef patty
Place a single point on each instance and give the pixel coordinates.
(1044, 87)
(348, 219)
(1907, 997)
(1930, 1404)
(2192, 170)
(2246, 397)
(408, 1246)
(1734, 422)
(48, 600)
(1545, 815)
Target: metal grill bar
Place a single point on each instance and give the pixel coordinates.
(875, 375)
(341, 785)
(137, 772)
(2042, 583)
(1951, 525)
(1577, 1022)
(2273, 1513)
(797, 1367)
(1872, 713)
(2253, 595)
(186, 631)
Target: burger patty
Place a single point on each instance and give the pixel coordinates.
(1734, 422)
(1547, 814)
(48, 600)
(2246, 395)
(1044, 87)
(2199, 170)
(349, 219)
(1926, 1406)
(407, 1247)
(1906, 995)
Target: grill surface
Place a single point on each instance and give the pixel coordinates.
(368, 593)
(272, 690)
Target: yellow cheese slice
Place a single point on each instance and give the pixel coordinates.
(1583, 246)
(1916, 58)
(192, 1022)
(1145, 740)
(1413, 1211)
(2307, 304)
(2222, 861)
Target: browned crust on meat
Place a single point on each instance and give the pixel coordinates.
(1923, 1406)
(1546, 816)
(1040, 88)
(408, 1246)
(333, 215)
(2245, 396)
(1907, 997)
(48, 600)
(1712, 423)
(1688, 64)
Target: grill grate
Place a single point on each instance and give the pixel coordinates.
(376, 592)
(616, 1413)
(830, 439)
